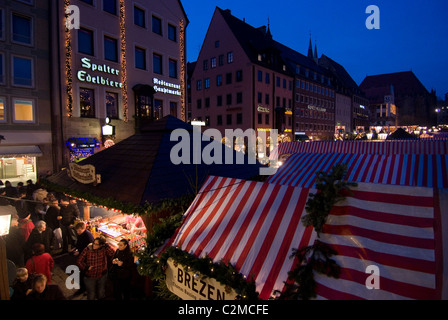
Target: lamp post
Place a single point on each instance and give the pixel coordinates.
(5, 221)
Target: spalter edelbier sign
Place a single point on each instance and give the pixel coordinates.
(189, 285)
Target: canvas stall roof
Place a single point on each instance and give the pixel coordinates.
(139, 169)
(422, 170)
(255, 226)
(363, 147)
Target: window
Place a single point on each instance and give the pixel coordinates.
(239, 97)
(140, 58)
(110, 49)
(239, 75)
(259, 97)
(260, 118)
(199, 103)
(260, 76)
(229, 57)
(219, 101)
(228, 78)
(207, 102)
(2, 110)
(267, 119)
(205, 65)
(112, 105)
(229, 99)
(172, 32)
(22, 72)
(268, 79)
(87, 103)
(156, 25)
(278, 81)
(173, 68)
(219, 80)
(239, 118)
(266, 101)
(219, 120)
(217, 44)
(139, 17)
(158, 109)
(213, 62)
(157, 63)
(229, 119)
(21, 29)
(23, 110)
(2, 70)
(88, 2)
(199, 85)
(173, 109)
(85, 41)
(207, 83)
(221, 60)
(2, 23)
(110, 6)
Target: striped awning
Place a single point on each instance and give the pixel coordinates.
(421, 170)
(363, 147)
(20, 151)
(396, 229)
(255, 225)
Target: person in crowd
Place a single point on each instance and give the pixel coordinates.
(43, 290)
(94, 261)
(85, 238)
(10, 191)
(41, 207)
(41, 262)
(41, 234)
(25, 224)
(69, 215)
(30, 188)
(15, 242)
(53, 216)
(21, 203)
(121, 270)
(22, 285)
(3, 200)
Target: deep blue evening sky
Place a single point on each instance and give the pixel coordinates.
(413, 35)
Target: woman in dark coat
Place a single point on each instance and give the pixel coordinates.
(44, 291)
(40, 234)
(121, 270)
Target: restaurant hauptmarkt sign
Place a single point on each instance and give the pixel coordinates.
(189, 285)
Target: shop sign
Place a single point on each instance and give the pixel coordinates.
(166, 87)
(84, 174)
(263, 109)
(188, 285)
(84, 76)
(310, 107)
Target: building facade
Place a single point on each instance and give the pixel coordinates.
(25, 90)
(123, 61)
(240, 81)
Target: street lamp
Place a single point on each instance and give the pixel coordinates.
(5, 222)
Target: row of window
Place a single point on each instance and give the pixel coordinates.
(310, 74)
(111, 6)
(315, 114)
(219, 100)
(22, 71)
(21, 28)
(20, 110)
(111, 49)
(219, 119)
(219, 80)
(314, 127)
(314, 101)
(314, 88)
(88, 105)
(279, 101)
(220, 62)
(279, 82)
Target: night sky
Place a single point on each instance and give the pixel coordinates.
(413, 35)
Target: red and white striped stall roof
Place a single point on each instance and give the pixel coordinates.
(421, 170)
(363, 147)
(255, 226)
(398, 230)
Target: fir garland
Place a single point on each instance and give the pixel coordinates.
(331, 188)
(154, 266)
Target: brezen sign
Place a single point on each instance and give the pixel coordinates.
(188, 285)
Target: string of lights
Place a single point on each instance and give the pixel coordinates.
(68, 66)
(182, 69)
(123, 60)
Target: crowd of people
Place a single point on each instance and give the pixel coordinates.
(44, 225)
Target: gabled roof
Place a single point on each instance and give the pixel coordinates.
(404, 84)
(139, 168)
(338, 72)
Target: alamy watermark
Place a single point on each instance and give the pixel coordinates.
(373, 20)
(72, 17)
(189, 149)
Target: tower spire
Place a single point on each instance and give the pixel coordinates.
(310, 49)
